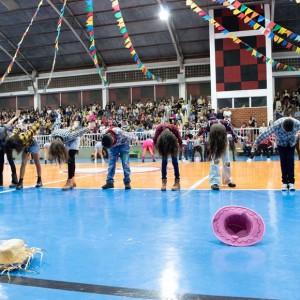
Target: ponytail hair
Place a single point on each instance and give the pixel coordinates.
(167, 144)
(217, 143)
(58, 151)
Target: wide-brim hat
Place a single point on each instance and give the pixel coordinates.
(14, 254)
(238, 226)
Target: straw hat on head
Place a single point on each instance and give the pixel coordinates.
(238, 226)
(14, 254)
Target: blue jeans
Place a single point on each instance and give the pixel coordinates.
(164, 163)
(114, 152)
(215, 174)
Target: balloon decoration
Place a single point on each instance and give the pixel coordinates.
(60, 20)
(90, 29)
(128, 43)
(237, 40)
(20, 43)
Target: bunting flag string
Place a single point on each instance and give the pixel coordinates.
(59, 23)
(90, 30)
(246, 13)
(278, 65)
(127, 41)
(9, 68)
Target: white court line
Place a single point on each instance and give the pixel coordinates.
(191, 188)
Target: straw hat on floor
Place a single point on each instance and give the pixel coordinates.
(14, 254)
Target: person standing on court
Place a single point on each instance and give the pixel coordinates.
(286, 134)
(28, 145)
(168, 141)
(117, 141)
(4, 128)
(218, 148)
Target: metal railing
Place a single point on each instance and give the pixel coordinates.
(89, 140)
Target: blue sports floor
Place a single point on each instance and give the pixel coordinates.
(148, 244)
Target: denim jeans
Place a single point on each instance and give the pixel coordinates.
(287, 164)
(164, 163)
(215, 175)
(114, 152)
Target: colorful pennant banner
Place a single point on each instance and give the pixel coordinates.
(247, 14)
(59, 23)
(20, 43)
(128, 43)
(237, 40)
(90, 30)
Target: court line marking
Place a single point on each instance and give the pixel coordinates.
(106, 290)
(191, 188)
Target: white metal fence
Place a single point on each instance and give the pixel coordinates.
(89, 140)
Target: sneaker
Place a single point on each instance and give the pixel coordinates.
(215, 187)
(127, 186)
(292, 187)
(231, 184)
(39, 184)
(269, 159)
(284, 187)
(249, 160)
(108, 186)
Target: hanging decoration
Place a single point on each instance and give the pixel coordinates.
(128, 43)
(59, 23)
(90, 29)
(248, 15)
(237, 40)
(20, 43)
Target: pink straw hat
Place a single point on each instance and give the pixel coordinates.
(238, 226)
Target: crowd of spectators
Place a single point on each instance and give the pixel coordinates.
(145, 117)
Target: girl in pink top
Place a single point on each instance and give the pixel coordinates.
(148, 146)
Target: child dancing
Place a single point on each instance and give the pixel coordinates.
(3, 137)
(167, 140)
(117, 141)
(286, 134)
(148, 146)
(63, 149)
(28, 145)
(218, 148)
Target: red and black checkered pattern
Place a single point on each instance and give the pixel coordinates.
(236, 68)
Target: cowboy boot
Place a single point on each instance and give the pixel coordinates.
(68, 185)
(164, 185)
(176, 185)
(74, 182)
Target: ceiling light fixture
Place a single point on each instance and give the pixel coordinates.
(164, 14)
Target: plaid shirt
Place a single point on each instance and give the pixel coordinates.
(282, 137)
(120, 137)
(67, 135)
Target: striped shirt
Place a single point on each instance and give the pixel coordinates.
(27, 138)
(282, 137)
